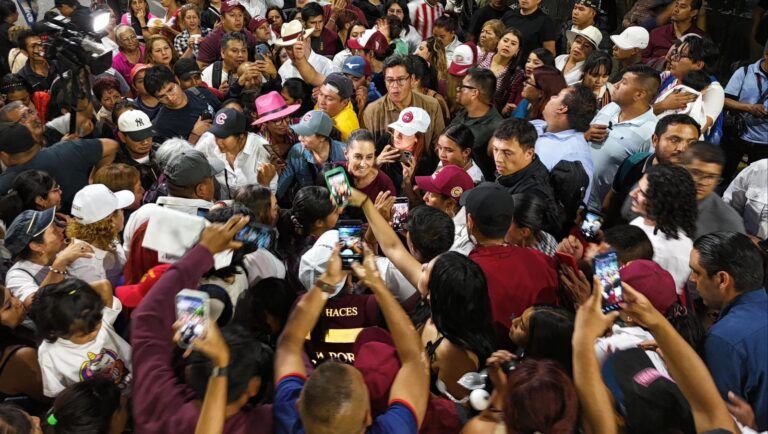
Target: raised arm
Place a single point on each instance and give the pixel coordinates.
(594, 397)
(387, 238)
(109, 149)
(411, 384)
(686, 367)
(290, 346)
(308, 73)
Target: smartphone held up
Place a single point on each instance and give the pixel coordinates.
(192, 312)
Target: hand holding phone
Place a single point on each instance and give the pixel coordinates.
(606, 268)
(256, 236)
(351, 240)
(338, 185)
(399, 213)
(192, 315)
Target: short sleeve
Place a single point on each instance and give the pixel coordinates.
(398, 419)
(284, 411)
(109, 314)
(20, 283)
(52, 381)
(83, 153)
(733, 88)
(713, 99)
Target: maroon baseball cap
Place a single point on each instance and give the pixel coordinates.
(257, 22)
(376, 358)
(228, 5)
(654, 282)
(372, 40)
(450, 181)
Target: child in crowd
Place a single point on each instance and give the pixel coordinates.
(76, 320)
(694, 83)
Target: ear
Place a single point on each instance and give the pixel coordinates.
(200, 189)
(36, 247)
(525, 232)
(724, 281)
(254, 384)
(121, 136)
(655, 141)
(40, 202)
(466, 152)
(529, 153)
(470, 224)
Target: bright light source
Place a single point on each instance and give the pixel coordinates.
(100, 21)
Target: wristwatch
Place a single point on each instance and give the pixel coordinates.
(219, 371)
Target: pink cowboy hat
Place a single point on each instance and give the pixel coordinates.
(272, 106)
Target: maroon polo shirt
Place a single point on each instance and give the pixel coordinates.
(517, 279)
(662, 38)
(327, 44)
(210, 46)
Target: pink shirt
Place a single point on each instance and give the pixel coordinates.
(126, 19)
(122, 65)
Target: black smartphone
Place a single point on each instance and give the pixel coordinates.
(591, 225)
(606, 268)
(256, 236)
(206, 115)
(399, 213)
(351, 239)
(272, 150)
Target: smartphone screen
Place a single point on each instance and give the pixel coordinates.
(351, 239)
(271, 149)
(338, 185)
(399, 213)
(591, 225)
(406, 157)
(192, 310)
(607, 271)
(256, 236)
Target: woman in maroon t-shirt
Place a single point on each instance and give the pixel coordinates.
(361, 166)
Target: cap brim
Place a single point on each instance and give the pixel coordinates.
(138, 136)
(217, 166)
(402, 128)
(353, 73)
(44, 220)
(130, 295)
(302, 130)
(219, 132)
(623, 43)
(277, 115)
(570, 35)
(186, 75)
(458, 70)
(124, 198)
(425, 184)
(354, 44)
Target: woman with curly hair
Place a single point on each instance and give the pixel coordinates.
(665, 199)
(433, 51)
(97, 220)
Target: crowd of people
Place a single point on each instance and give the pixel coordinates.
(288, 216)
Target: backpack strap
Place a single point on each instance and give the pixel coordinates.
(218, 67)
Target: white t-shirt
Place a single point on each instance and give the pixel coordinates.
(672, 254)
(101, 265)
(207, 75)
(400, 287)
(624, 338)
(462, 243)
(574, 75)
(108, 356)
(473, 171)
(24, 277)
(323, 65)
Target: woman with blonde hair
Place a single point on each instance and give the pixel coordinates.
(489, 37)
(97, 221)
(160, 51)
(433, 51)
(119, 177)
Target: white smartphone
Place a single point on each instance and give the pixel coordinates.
(193, 309)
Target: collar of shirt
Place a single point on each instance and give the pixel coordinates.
(634, 122)
(248, 149)
(755, 296)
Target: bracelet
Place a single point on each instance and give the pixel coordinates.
(219, 371)
(55, 271)
(325, 286)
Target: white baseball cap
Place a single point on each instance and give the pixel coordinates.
(591, 33)
(96, 202)
(412, 120)
(315, 261)
(632, 37)
(464, 58)
(135, 124)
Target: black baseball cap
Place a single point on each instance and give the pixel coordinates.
(491, 207)
(341, 84)
(228, 122)
(16, 138)
(186, 67)
(26, 226)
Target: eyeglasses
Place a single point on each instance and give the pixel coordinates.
(129, 38)
(283, 120)
(460, 87)
(55, 189)
(399, 82)
(704, 177)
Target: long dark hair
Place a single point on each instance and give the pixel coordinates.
(461, 308)
(550, 330)
(271, 296)
(406, 15)
(671, 200)
(529, 212)
(309, 205)
(514, 63)
(28, 186)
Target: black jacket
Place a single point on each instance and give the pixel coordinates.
(534, 179)
(149, 171)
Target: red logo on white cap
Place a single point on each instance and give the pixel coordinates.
(221, 118)
(407, 117)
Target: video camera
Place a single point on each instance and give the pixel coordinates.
(73, 47)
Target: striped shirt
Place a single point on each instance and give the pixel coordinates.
(423, 16)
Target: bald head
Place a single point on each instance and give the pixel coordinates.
(335, 400)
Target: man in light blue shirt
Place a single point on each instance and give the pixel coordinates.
(747, 93)
(315, 149)
(623, 127)
(561, 133)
